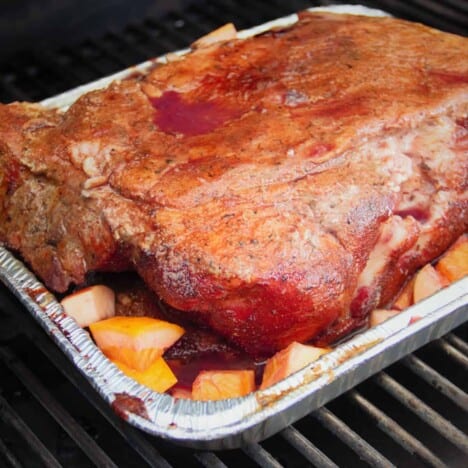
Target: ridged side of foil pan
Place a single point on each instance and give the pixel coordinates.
(229, 423)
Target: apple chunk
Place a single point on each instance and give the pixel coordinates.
(289, 360)
(381, 315)
(181, 393)
(90, 305)
(454, 263)
(223, 33)
(427, 282)
(222, 384)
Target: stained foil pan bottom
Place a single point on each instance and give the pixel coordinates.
(230, 423)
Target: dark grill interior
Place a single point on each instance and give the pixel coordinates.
(413, 414)
(42, 71)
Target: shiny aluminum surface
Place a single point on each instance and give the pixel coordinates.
(230, 423)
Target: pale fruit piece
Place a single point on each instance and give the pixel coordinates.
(181, 393)
(427, 282)
(289, 360)
(223, 33)
(380, 315)
(222, 384)
(90, 305)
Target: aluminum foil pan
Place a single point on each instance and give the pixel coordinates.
(230, 423)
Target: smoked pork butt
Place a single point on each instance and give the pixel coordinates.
(276, 188)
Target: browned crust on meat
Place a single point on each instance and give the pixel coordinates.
(251, 182)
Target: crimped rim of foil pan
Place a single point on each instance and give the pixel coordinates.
(229, 423)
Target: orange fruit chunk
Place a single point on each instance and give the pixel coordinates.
(454, 263)
(289, 360)
(405, 299)
(135, 341)
(158, 376)
(221, 384)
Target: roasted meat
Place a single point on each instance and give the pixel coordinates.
(46, 161)
(276, 188)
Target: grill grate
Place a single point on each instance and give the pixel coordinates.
(39, 73)
(413, 414)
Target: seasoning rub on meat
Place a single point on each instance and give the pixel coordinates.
(277, 188)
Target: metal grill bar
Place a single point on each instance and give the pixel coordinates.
(13, 90)
(225, 10)
(439, 382)
(423, 411)
(395, 431)
(51, 64)
(82, 67)
(260, 9)
(457, 343)
(178, 38)
(134, 438)
(209, 459)
(440, 9)
(453, 353)
(220, 14)
(158, 36)
(307, 448)
(461, 7)
(109, 52)
(145, 46)
(62, 417)
(343, 432)
(13, 420)
(31, 74)
(8, 456)
(260, 456)
(197, 29)
(65, 59)
(424, 12)
(163, 42)
(130, 50)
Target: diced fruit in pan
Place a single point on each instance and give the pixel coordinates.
(136, 344)
(158, 376)
(427, 282)
(90, 305)
(289, 360)
(405, 299)
(380, 315)
(454, 263)
(222, 384)
(223, 33)
(135, 341)
(181, 393)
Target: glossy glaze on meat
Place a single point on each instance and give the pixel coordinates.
(276, 188)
